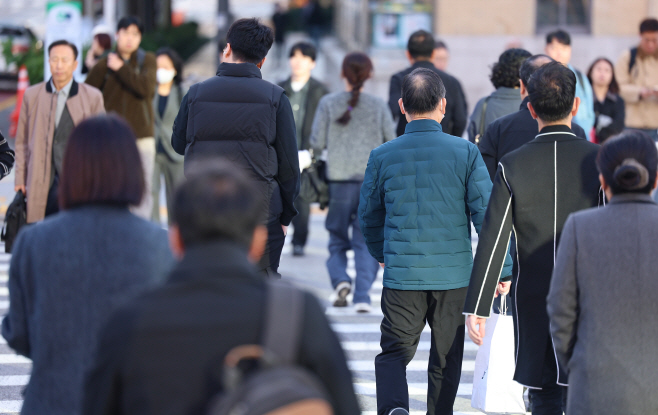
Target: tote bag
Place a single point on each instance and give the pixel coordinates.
(494, 390)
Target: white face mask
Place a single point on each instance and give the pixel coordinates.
(165, 75)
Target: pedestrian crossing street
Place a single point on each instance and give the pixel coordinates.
(359, 334)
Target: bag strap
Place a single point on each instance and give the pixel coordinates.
(631, 62)
(284, 312)
(483, 116)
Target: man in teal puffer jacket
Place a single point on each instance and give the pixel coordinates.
(417, 200)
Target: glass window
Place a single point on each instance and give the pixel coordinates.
(572, 14)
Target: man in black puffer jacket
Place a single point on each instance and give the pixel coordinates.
(239, 116)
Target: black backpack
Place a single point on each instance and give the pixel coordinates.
(278, 386)
(15, 219)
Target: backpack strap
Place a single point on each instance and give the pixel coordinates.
(284, 313)
(631, 62)
(141, 55)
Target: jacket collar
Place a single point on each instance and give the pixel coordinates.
(524, 104)
(642, 54)
(219, 259)
(423, 64)
(555, 133)
(422, 125)
(631, 198)
(246, 70)
(72, 92)
(507, 93)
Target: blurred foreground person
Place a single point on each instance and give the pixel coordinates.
(163, 353)
(70, 272)
(535, 189)
(608, 345)
(166, 105)
(349, 125)
(415, 198)
(49, 113)
(505, 99)
(304, 93)
(248, 120)
(609, 107)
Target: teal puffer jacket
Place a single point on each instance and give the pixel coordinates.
(418, 193)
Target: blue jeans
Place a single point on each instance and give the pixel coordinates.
(343, 206)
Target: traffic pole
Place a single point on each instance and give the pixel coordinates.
(23, 83)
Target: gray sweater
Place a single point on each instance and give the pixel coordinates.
(67, 275)
(349, 146)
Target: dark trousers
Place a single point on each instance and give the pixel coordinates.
(52, 203)
(405, 315)
(342, 215)
(551, 399)
(269, 262)
(300, 222)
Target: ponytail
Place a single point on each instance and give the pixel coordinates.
(357, 68)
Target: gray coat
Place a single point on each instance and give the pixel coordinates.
(67, 274)
(603, 309)
(164, 125)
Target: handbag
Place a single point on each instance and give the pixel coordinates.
(313, 188)
(494, 390)
(15, 219)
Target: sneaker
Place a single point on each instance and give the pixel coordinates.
(398, 411)
(297, 250)
(362, 307)
(342, 290)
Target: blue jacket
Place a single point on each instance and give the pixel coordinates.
(418, 192)
(585, 117)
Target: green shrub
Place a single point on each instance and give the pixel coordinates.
(184, 39)
(33, 59)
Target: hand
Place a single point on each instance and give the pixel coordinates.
(474, 332)
(114, 62)
(21, 188)
(646, 93)
(381, 264)
(503, 288)
(285, 230)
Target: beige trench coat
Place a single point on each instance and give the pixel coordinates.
(34, 138)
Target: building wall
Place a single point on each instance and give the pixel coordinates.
(620, 17)
(485, 17)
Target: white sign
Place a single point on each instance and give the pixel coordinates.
(64, 22)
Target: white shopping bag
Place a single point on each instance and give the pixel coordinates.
(494, 391)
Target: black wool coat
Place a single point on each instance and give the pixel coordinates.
(316, 90)
(456, 116)
(535, 189)
(510, 132)
(163, 353)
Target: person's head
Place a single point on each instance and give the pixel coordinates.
(129, 34)
(505, 72)
(602, 73)
(100, 43)
(356, 69)
(101, 165)
(63, 61)
(627, 164)
(170, 66)
(248, 41)
(441, 55)
(558, 46)
(423, 95)
(649, 36)
(302, 60)
(420, 46)
(528, 67)
(217, 201)
(552, 93)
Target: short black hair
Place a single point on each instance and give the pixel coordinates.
(649, 25)
(176, 60)
(422, 91)
(439, 44)
(250, 40)
(101, 165)
(628, 162)
(216, 201)
(505, 72)
(305, 48)
(552, 90)
(560, 36)
(421, 44)
(530, 65)
(64, 43)
(128, 21)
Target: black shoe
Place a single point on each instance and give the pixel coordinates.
(398, 411)
(342, 290)
(297, 250)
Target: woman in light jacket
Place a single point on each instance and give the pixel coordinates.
(69, 272)
(166, 104)
(602, 300)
